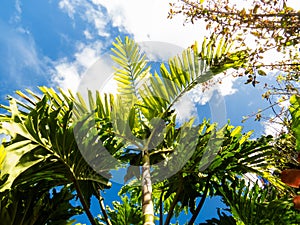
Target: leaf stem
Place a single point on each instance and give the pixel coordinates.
(102, 207)
(200, 205)
(175, 200)
(83, 202)
(161, 218)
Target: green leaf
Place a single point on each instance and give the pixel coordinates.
(262, 73)
(295, 112)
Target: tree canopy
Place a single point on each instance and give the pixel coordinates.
(269, 33)
(58, 144)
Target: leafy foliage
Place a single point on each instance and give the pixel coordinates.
(59, 140)
(251, 204)
(43, 145)
(36, 207)
(295, 112)
(235, 156)
(124, 213)
(42, 151)
(262, 28)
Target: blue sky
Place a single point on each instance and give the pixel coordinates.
(54, 42)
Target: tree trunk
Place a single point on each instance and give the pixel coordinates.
(148, 212)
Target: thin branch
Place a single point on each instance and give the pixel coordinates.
(83, 202)
(175, 200)
(199, 207)
(102, 207)
(218, 12)
(260, 111)
(161, 216)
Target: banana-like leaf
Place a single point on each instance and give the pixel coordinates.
(43, 145)
(124, 213)
(251, 204)
(37, 207)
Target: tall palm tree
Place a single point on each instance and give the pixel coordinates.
(148, 99)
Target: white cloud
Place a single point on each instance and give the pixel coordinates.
(224, 89)
(20, 53)
(147, 20)
(89, 12)
(67, 74)
(87, 35)
(273, 127)
(68, 7)
(186, 107)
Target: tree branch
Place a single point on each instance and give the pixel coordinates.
(161, 218)
(83, 202)
(218, 12)
(175, 200)
(102, 207)
(199, 207)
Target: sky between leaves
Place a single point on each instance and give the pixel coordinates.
(53, 43)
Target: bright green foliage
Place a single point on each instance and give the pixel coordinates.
(133, 68)
(189, 162)
(124, 213)
(43, 152)
(43, 147)
(295, 112)
(235, 156)
(251, 204)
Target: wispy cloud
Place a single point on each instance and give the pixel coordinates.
(147, 21)
(274, 127)
(67, 74)
(91, 13)
(19, 55)
(213, 95)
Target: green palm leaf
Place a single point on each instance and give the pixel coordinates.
(251, 204)
(144, 96)
(182, 73)
(43, 145)
(133, 67)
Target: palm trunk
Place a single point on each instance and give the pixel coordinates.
(148, 212)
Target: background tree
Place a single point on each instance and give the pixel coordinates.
(273, 27)
(266, 28)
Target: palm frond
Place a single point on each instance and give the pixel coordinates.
(133, 67)
(43, 144)
(182, 73)
(251, 204)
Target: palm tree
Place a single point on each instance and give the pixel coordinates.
(55, 137)
(42, 153)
